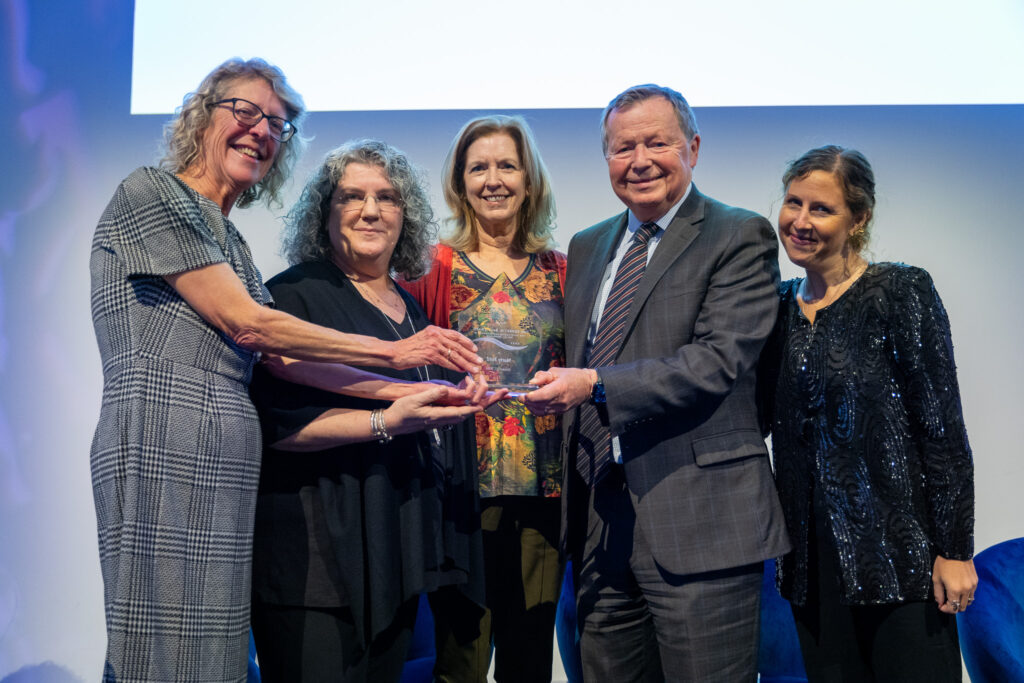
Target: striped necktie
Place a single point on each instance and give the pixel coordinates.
(595, 443)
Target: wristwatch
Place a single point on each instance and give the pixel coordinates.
(597, 396)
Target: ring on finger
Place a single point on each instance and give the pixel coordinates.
(449, 352)
(970, 600)
(955, 604)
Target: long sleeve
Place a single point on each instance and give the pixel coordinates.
(735, 316)
(433, 291)
(924, 354)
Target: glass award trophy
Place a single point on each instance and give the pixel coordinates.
(507, 334)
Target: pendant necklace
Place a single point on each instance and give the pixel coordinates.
(423, 376)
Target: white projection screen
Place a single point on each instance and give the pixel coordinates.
(539, 54)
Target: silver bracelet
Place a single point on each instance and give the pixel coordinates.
(378, 426)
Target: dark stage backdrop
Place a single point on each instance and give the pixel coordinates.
(950, 200)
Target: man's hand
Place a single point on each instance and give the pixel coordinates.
(561, 389)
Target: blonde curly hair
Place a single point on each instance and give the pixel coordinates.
(183, 134)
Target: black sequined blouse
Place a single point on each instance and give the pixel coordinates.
(867, 409)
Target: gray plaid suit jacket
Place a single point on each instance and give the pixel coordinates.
(681, 395)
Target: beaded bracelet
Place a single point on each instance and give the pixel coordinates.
(378, 426)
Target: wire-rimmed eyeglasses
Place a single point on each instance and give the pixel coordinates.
(355, 201)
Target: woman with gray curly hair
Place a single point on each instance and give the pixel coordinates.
(306, 236)
(180, 318)
(350, 534)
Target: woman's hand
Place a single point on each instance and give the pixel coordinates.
(953, 584)
(437, 346)
(470, 390)
(420, 411)
(480, 393)
(413, 412)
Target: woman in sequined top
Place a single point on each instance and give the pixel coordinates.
(872, 460)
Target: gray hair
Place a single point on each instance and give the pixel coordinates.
(639, 93)
(537, 214)
(183, 134)
(306, 236)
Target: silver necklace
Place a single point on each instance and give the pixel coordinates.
(379, 302)
(423, 376)
(368, 295)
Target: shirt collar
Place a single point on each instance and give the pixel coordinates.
(664, 221)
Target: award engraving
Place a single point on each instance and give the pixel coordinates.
(505, 330)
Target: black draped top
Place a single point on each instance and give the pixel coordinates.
(866, 420)
(363, 525)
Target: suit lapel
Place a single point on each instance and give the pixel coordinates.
(588, 283)
(681, 232)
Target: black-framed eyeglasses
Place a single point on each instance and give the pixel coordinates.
(248, 114)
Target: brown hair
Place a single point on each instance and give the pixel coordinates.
(852, 170)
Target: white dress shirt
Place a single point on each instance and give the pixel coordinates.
(632, 226)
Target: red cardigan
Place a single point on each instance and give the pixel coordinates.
(433, 291)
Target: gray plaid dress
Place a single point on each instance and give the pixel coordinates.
(176, 455)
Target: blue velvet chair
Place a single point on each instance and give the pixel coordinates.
(778, 657)
(419, 662)
(254, 668)
(992, 629)
(565, 630)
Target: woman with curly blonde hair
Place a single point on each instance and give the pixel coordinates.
(181, 319)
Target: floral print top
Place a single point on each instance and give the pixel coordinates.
(519, 453)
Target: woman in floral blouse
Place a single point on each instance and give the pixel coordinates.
(497, 280)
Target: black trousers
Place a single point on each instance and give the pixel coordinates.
(524, 578)
(907, 642)
(296, 644)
